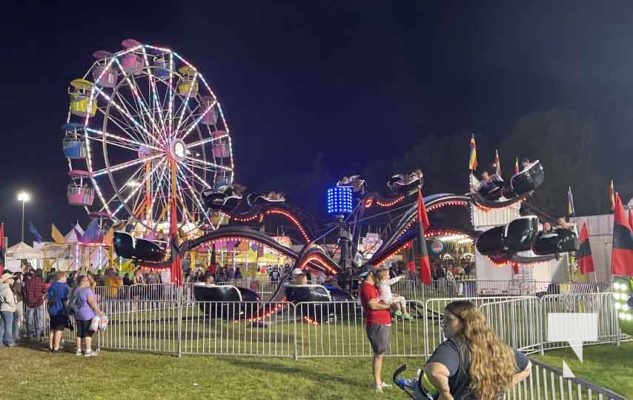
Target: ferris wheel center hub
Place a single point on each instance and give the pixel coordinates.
(178, 150)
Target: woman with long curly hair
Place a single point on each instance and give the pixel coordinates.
(473, 363)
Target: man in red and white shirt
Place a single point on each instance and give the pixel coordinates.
(377, 323)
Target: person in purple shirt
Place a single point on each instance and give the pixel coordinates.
(85, 307)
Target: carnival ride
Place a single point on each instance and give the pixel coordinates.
(518, 236)
(144, 136)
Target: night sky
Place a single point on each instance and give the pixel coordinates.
(355, 80)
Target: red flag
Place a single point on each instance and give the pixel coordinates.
(176, 268)
(407, 258)
(622, 250)
(583, 254)
(423, 223)
(2, 249)
(422, 215)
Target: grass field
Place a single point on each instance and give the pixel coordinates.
(605, 365)
(32, 373)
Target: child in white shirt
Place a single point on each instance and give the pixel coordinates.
(384, 286)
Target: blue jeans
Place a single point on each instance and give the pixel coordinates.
(6, 328)
(35, 321)
(17, 320)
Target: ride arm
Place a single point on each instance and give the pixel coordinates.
(438, 375)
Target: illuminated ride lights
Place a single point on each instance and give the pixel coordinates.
(339, 200)
(292, 218)
(147, 129)
(250, 218)
(236, 238)
(448, 203)
(389, 203)
(310, 321)
(622, 292)
(267, 314)
(317, 259)
(275, 211)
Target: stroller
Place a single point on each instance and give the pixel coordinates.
(417, 388)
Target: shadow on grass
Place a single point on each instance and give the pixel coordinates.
(317, 377)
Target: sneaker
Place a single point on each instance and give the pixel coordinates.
(79, 353)
(407, 316)
(91, 353)
(398, 313)
(385, 385)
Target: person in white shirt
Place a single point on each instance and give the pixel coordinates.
(384, 287)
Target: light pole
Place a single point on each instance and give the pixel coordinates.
(23, 197)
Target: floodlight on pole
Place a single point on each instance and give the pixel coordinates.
(23, 197)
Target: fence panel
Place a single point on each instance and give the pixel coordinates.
(337, 329)
(515, 319)
(144, 325)
(599, 303)
(238, 328)
(548, 383)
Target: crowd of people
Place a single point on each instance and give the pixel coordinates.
(66, 301)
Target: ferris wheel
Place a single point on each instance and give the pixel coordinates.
(145, 135)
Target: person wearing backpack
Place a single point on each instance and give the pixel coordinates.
(58, 295)
(84, 307)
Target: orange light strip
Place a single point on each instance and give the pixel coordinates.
(293, 219)
(240, 238)
(451, 203)
(282, 304)
(390, 203)
(246, 219)
(317, 259)
(310, 321)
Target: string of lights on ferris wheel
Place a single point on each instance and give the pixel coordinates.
(144, 127)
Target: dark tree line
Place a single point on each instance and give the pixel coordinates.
(573, 152)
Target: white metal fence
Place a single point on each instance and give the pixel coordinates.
(413, 290)
(548, 383)
(170, 321)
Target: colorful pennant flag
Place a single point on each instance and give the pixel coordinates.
(108, 238)
(516, 166)
(583, 254)
(612, 195)
(93, 233)
(497, 164)
(622, 250)
(472, 160)
(571, 211)
(34, 232)
(57, 235)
